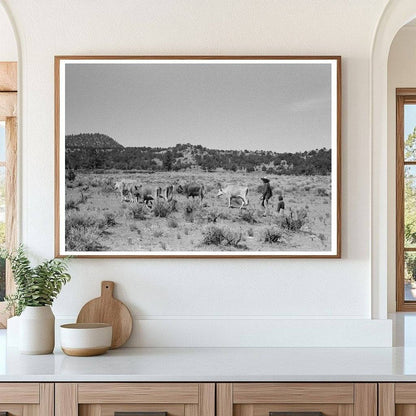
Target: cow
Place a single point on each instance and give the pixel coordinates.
(168, 193)
(191, 190)
(129, 190)
(234, 191)
(152, 195)
(165, 193)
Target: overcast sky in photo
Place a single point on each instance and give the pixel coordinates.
(278, 107)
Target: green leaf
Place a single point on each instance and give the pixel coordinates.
(35, 286)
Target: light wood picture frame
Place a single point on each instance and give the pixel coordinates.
(198, 156)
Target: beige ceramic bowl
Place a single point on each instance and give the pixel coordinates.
(83, 340)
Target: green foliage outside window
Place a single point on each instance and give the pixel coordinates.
(410, 206)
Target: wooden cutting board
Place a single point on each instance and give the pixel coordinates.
(107, 309)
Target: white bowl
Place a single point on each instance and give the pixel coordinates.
(83, 340)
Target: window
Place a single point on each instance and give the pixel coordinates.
(406, 199)
(8, 171)
(2, 206)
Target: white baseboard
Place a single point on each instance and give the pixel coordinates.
(253, 332)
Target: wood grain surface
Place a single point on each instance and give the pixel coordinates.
(27, 393)
(107, 309)
(386, 399)
(110, 393)
(8, 76)
(252, 393)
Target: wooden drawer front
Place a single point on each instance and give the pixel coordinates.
(293, 393)
(138, 393)
(331, 399)
(27, 399)
(19, 393)
(104, 399)
(405, 393)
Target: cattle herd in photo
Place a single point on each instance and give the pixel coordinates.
(190, 198)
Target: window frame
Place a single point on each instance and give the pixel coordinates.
(8, 113)
(403, 96)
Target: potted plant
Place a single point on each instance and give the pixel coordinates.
(36, 289)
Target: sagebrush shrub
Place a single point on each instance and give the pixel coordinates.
(232, 238)
(137, 211)
(78, 220)
(293, 221)
(110, 219)
(77, 239)
(172, 223)
(83, 231)
(107, 185)
(213, 215)
(322, 192)
(248, 216)
(214, 235)
(71, 204)
(162, 208)
(272, 235)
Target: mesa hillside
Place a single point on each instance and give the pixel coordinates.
(98, 151)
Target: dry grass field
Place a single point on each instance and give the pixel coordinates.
(98, 220)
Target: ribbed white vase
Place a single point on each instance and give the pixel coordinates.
(37, 330)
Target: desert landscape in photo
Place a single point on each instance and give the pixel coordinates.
(99, 216)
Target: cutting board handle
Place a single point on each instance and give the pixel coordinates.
(107, 289)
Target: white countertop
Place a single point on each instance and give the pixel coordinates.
(213, 364)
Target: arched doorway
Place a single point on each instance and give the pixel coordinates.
(396, 14)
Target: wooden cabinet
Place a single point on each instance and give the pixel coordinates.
(108, 399)
(296, 399)
(397, 399)
(27, 399)
(208, 399)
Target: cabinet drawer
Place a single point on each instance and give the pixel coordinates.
(22, 399)
(397, 399)
(297, 399)
(152, 399)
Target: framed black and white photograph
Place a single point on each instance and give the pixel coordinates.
(198, 156)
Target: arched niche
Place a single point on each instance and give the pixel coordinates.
(396, 14)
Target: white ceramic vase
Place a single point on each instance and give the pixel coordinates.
(37, 330)
(13, 331)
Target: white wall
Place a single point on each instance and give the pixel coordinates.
(8, 47)
(401, 74)
(179, 302)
